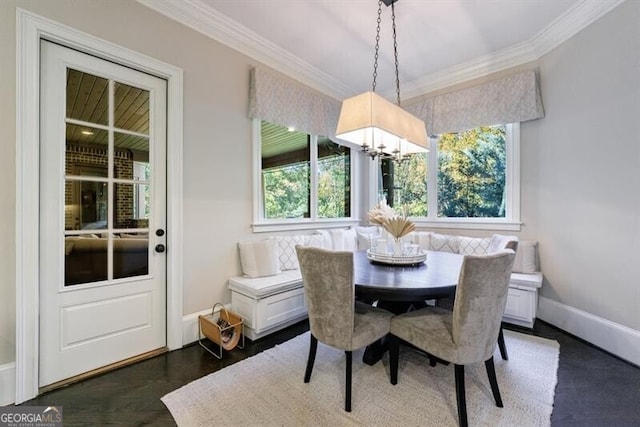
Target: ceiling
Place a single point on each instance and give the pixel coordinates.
(329, 44)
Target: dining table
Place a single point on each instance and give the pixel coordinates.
(401, 287)
(434, 278)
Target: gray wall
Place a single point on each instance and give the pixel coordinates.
(217, 142)
(580, 164)
(7, 181)
(581, 169)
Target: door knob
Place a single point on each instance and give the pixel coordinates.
(159, 232)
(160, 248)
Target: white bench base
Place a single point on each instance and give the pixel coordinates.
(268, 314)
(522, 300)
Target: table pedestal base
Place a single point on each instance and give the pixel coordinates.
(374, 352)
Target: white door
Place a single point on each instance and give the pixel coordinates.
(102, 213)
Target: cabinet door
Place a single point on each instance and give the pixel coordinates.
(520, 305)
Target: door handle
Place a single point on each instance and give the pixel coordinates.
(160, 248)
(159, 232)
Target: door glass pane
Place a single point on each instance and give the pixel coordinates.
(130, 255)
(92, 165)
(87, 97)
(86, 151)
(129, 149)
(85, 259)
(131, 206)
(85, 205)
(141, 207)
(131, 142)
(141, 171)
(131, 108)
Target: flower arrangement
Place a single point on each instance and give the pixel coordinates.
(385, 216)
(380, 213)
(399, 226)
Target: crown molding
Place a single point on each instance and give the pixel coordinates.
(476, 68)
(208, 21)
(574, 19)
(577, 17)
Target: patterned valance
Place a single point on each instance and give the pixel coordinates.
(286, 102)
(511, 99)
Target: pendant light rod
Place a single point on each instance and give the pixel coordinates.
(395, 50)
(377, 48)
(381, 128)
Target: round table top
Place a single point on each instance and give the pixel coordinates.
(437, 277)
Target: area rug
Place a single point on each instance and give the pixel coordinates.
(268, 390)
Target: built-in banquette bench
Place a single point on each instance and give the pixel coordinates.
(269, 295)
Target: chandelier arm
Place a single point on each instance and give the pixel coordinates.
(375, 56)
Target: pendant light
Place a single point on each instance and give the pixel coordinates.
(381, 128)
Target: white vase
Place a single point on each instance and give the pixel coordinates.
(397, 247)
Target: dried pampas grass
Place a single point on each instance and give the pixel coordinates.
(398, 226)
(381, 213)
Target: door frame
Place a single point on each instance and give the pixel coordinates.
(30, 28)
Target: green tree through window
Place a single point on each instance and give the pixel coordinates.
(334, 180)
(471, 173)
(286, 190)
(410, 185)
(471, 176)
(287, 175)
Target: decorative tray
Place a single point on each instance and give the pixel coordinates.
(421, 256)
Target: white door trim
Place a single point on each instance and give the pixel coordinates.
(30, 28)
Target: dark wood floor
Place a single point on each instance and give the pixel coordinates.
(594, 388)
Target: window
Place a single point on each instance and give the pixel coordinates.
(467, 177)
(334, 179)
(303, 177)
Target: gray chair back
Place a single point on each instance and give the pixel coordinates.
(481, 296)
(327, 277)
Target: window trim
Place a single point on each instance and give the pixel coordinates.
(511, 222)
(262, 224)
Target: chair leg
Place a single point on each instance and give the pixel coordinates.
(503, 347)
(491, 373)
(313, 346)
(394, 352)
(460, 396)
(347, 399)
(432, 361)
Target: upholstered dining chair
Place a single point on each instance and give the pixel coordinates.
(498, 243)
(335, 317)
(467, 334)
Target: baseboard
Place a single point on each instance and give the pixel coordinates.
(190, 328)
(617, 339)
(7, 384)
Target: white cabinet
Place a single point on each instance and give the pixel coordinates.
(522, 300)
(265, 315)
